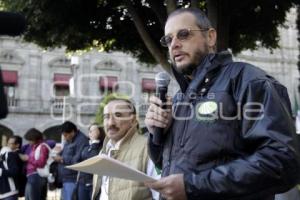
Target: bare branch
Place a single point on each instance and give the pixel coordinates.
(150, 44)
(220, 20)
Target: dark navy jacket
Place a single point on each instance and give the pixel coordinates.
(11, 169)
(88, 152)
(71, 155)
(232, 133)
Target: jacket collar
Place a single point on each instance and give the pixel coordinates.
(108, 143)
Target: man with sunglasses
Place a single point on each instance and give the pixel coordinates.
(229, 135)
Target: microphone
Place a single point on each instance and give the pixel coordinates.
(162, 81)
(12, 24)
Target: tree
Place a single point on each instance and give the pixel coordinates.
(135, 27)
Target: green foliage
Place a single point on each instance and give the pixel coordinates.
(79, 23)
(255, 22)
(107, 25)
(104, 102)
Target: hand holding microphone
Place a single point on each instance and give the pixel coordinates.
(159, 115)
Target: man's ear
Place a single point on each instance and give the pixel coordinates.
(211, 38)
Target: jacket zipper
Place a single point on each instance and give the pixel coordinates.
(184, 131)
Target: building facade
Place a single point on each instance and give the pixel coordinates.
(280, 63)
(45, 88)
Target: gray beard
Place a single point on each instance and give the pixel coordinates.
(188, 70)
(199, 57)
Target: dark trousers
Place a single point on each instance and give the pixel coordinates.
(84, 192)
(14, 197)
(34, 187)
(44, 189)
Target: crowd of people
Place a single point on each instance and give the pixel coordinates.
(120, 138)
(27, 170)
(209, 150)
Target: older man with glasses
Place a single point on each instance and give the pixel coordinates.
(229, 135)
(123, 142)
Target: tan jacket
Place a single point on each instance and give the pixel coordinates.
(132, 151)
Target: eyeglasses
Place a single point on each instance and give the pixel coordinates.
(181, 35)
(118, 115)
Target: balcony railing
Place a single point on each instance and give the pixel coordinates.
(12, 102)
(58, 103)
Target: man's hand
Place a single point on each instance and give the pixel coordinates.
(170, 187)
(157, 116)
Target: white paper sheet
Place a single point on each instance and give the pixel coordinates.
(106, 166)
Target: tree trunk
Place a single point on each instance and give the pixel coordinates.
(150, 44)
(220, 19)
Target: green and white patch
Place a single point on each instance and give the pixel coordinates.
(207, 111)
(207, 108)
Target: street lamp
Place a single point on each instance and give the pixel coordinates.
(73, 84)
(74, 65)
(72, 87)
(72, 92)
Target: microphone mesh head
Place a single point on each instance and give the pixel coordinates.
(162, 79)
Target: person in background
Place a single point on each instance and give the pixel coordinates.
(16, 143)
(26, 149)
(124, 143)
(37, 158)
(11, 169)
(230, 132)
(75, 141)
(96, 136)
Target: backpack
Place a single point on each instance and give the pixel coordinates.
(57, 180)
(45, 171)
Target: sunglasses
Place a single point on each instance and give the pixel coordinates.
(182, 34)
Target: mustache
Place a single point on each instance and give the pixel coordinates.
(113, 127)
(175, 53)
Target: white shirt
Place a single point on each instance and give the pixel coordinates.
(151, 171)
